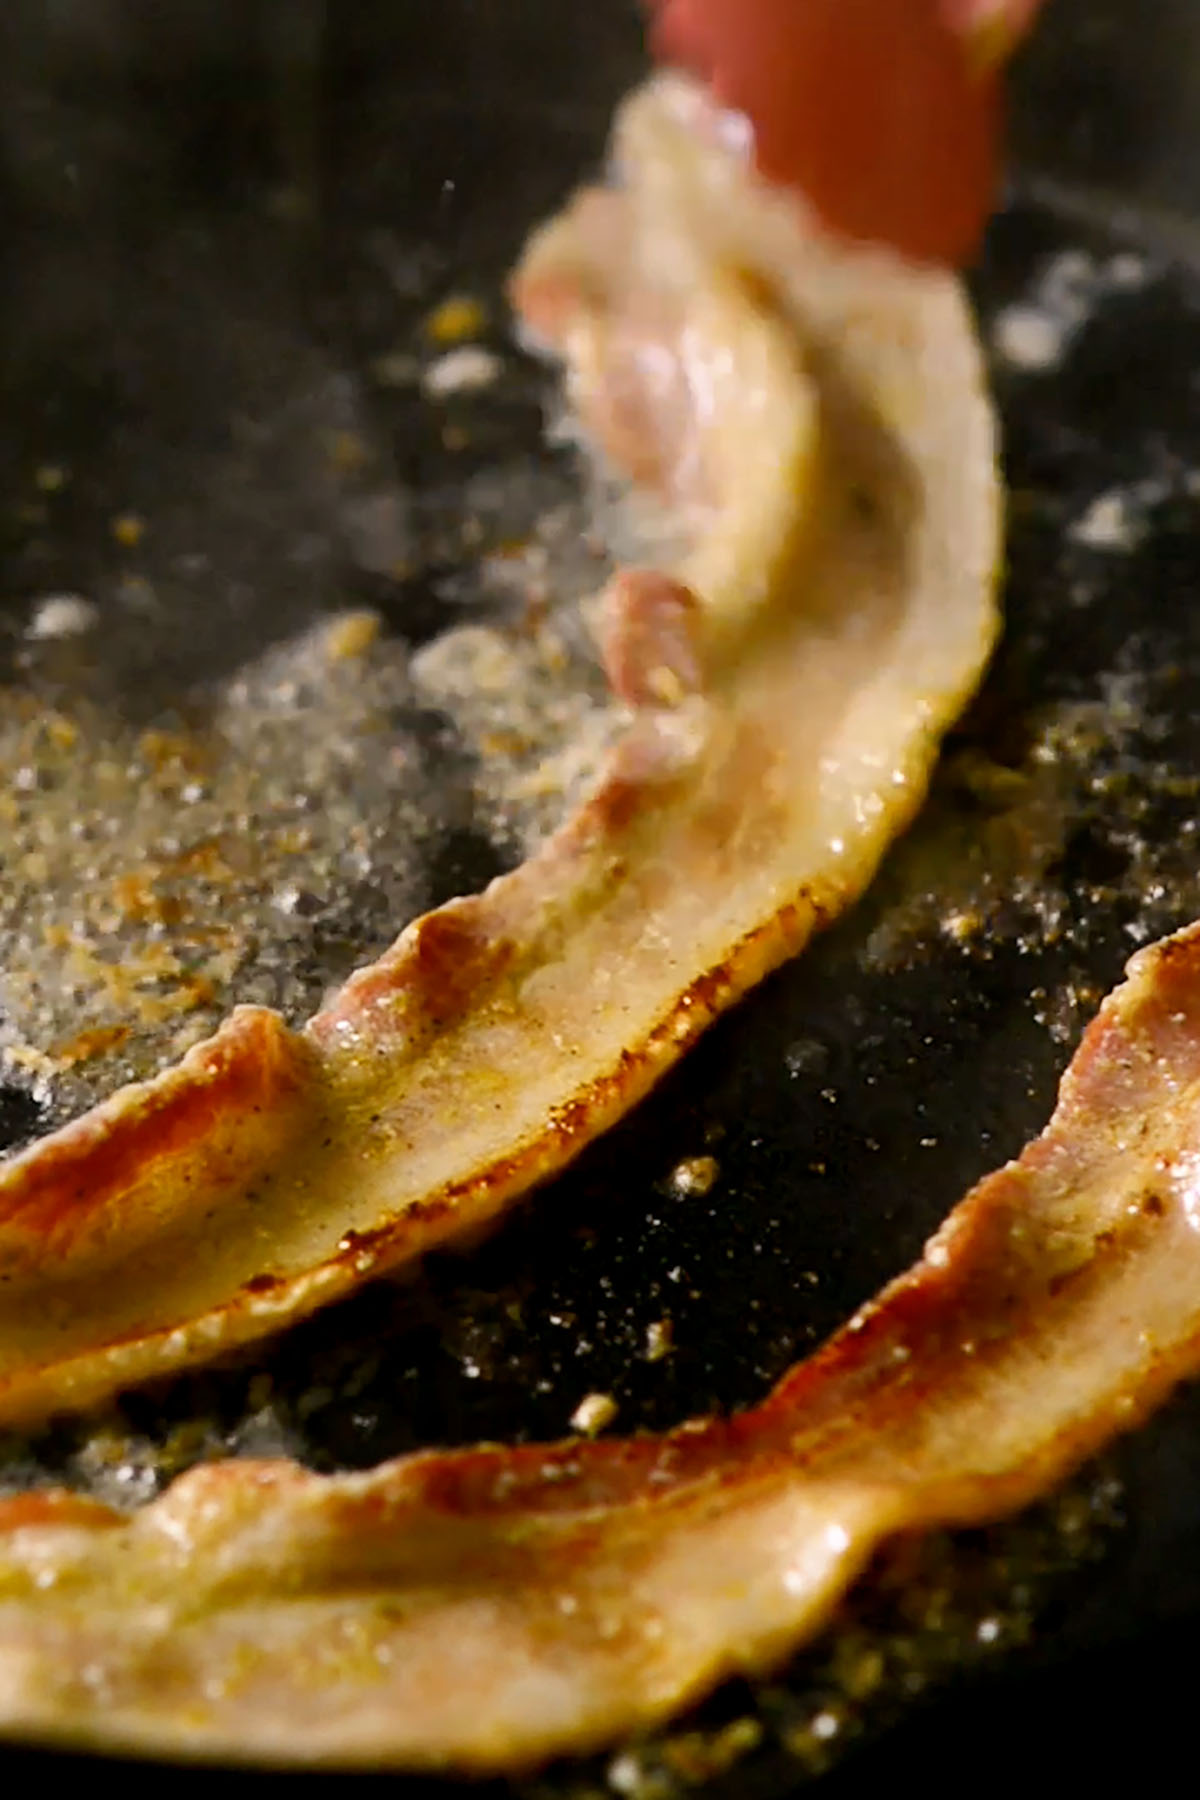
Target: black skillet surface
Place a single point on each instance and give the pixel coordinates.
(852, 1100)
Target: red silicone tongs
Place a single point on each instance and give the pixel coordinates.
(886, 114)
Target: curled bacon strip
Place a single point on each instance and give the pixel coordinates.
(486, 1609)
(817, 417)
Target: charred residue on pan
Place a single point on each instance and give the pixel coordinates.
(906, 1053)
(272, 685)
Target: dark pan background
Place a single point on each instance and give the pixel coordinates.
(855, 1097)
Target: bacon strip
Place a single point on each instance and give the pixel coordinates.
(486, 1609)
(818, 420)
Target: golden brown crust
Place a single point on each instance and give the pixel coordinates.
(487, 1609)
(836, 478)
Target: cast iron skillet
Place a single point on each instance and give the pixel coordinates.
(851, 1101)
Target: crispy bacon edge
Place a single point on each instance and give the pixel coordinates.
(786, 718)
(487, 1609)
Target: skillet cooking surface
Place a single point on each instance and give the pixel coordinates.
(161, 292)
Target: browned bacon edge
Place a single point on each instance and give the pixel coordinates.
(486, 1609)
(785, 722)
